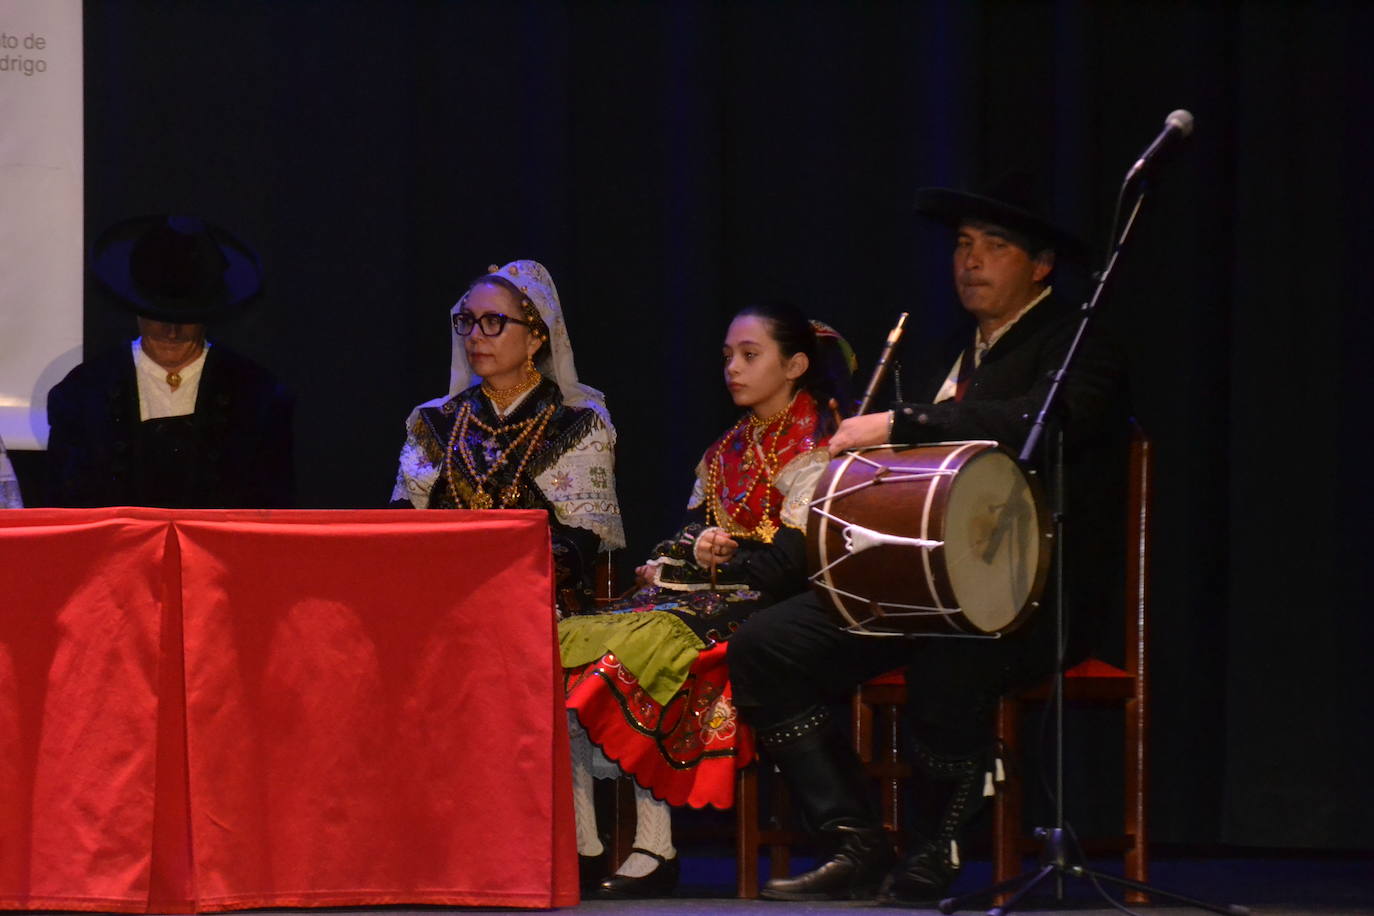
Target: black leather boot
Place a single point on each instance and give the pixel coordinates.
(947, 793)
(825, 777)
(862, 857)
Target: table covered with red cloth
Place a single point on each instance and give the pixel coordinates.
(210, 710)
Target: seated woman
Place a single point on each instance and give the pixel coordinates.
(517, 430)
(646, 681)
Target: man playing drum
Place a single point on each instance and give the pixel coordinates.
(790, 661)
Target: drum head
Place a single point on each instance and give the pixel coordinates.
(993, 541)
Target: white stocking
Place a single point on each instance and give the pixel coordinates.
(653, 831)
(584, 806)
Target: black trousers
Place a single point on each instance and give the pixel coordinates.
(793, 656)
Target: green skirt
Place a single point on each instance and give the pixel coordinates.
(655, 646)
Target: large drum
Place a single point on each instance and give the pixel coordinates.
(949, 539)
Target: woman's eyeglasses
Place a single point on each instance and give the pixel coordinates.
(492, 323)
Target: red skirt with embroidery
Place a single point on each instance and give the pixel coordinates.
(685, 752)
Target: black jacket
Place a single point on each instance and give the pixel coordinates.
(1008, 387)
(234, 451)
(1004, 397)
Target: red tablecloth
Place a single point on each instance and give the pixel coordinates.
(208, 710)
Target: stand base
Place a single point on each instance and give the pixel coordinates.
(1054, 862)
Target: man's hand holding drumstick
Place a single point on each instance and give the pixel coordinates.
(856, 432)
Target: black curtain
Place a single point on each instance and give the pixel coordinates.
(670, 161)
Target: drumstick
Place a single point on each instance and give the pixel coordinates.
(880, 370)
(835, 412)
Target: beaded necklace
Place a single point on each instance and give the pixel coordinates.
(757, 436)
(504, 397)
(527, 432)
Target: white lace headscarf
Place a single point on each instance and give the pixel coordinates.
(555, 360)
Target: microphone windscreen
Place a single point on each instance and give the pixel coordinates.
(1181, 119)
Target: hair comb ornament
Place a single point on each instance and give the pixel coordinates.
(824, 330)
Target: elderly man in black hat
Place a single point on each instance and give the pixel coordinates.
(172, 420)
(790, 661)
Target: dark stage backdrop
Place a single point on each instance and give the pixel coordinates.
(669, 161)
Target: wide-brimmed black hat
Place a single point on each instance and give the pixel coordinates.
(175, 268)
(1011, 201)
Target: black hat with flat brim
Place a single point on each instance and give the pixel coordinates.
(1009, 202)
(176, 268)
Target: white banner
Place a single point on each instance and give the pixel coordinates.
(41, 245)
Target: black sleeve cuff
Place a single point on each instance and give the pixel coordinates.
(915, 423)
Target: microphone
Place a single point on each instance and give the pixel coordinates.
(1177, 125)
(880, 370)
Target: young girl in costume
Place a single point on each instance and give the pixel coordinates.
(646, 680)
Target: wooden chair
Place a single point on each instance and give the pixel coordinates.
(603, 577)
(752, 832)
(1096, 682)
(877, 714)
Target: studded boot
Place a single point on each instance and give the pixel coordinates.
(824, 777)
(947, 793)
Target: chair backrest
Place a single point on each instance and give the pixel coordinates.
(603, 577)
(1138, 496)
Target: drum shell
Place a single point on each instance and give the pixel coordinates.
(878, 493)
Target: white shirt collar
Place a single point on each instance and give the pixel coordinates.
(981, 347)
(156, 397)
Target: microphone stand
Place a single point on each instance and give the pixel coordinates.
(1054, 857)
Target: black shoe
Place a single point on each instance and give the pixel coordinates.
(852, 873)
(660, 882)
(923, 879)
(590, 870)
